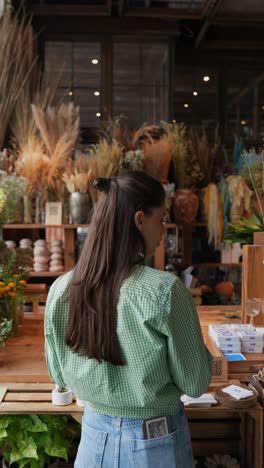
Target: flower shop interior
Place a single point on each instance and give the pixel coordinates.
(93, 88)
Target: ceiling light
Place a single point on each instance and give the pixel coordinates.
(174, 121)
(70, 93)
(206, 78)
(98, 114)
(262, 107)
(95, 61)
(243, 122)
(96, 93)
(186, 105)
(195, 93)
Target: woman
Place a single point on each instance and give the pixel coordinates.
(125, 337)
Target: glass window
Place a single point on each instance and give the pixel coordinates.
(79, 66)
(140, 81)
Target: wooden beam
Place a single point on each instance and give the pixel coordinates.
(212, 7)
(239, 19)
(168, 13)
(71, 10)
(233, 45)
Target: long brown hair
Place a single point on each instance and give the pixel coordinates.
(108, 256)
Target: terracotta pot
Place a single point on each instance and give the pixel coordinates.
(186, 204)
(226, 288)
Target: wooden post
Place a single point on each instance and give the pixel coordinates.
(259, 239)
(253, 278)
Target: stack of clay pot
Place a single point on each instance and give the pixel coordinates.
(41, 256)
(10, 244)
(25, 243)
(57, 256)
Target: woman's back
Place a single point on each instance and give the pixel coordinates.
(158, 342)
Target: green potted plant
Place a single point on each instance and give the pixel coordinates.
(243, 230)
(34, 441)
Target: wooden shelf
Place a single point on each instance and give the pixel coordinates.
(224, 265)
(44, 226)
(37, 274)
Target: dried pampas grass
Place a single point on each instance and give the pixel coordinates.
(40, 91)
(42, 159)
(33, 164)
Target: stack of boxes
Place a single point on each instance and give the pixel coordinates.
(236, 338)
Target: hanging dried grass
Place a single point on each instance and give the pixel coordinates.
(16, 64)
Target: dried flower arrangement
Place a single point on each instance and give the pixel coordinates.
(7, 161)
(153, 141)
(78, 176)
(132, 161)
(42, 160)
(105, 158)
(201, 158)
(115, 129)
(177, 138)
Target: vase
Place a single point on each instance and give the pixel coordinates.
(80, 205)
(40, 209)
(12, 310)
(186, 204)
(27, 209)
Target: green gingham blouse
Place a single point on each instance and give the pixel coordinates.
(160, 340)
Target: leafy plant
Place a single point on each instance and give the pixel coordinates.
(243, 230)
(13, 189)
(33, 441)
(5, 330)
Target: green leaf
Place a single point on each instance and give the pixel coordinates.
(3, 433)
(26, 448)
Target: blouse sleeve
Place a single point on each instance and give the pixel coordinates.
(52, 360)
(190, 362)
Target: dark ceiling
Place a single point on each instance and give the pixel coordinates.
(206, 24)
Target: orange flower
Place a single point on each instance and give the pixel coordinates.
(22, 282)
(7, 288)
(2, 283)
(2, 290)
(15, 276)
(12, 285)
(12, 293)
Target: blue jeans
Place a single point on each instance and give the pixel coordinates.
(110, 442)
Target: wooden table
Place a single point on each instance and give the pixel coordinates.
(214, 430)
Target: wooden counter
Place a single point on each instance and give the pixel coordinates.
(23, 359)
(214, 430)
